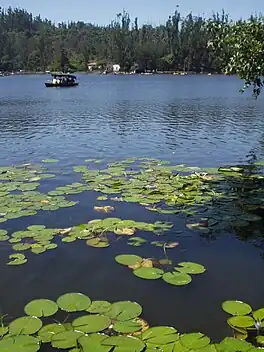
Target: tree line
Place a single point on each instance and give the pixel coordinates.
(36, 44)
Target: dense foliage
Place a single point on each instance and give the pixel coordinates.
(36, 44)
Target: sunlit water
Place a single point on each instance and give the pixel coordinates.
(201, 121)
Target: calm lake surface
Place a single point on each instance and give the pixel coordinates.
(195, 120)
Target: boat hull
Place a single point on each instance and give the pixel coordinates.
(61, 85)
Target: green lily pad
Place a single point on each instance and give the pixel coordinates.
(236, 308)
(128, 259)
(93, 342)
(21, 246)
(124, 310)
(230, 344)
(99, 307)
(177, 279)
(3, 330)
(25, 326)
(4, 238)
(160, 336)
(260, 340)
(101, 198)
(66, 339)
(124, 343)
(242, 321)
(74, 302)
(38, 250)
(18, 259)
(148, 273)
(194, 340)
(3, 233)
(98, 243)
(136, 241)
(22, 343)
(91, 323)
(47, 332)
(190, 268)
(127, 327)
(258, 314)
(41, 308)
(36, 227)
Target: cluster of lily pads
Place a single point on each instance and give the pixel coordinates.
(152, 269)
(213, 196)
(18, 193)
(245, 322)
(101, 326)
(38, 239)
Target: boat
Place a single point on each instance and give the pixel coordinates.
(62, 80)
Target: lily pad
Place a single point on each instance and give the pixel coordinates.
(136, 241)
(93, 342)
(41, 308)
(98, 242)
(127, 327)
(177, 279)
(50, 161)
(230, 344)
(194, 341)
(260, 340)
(99, 307)
(18, 259)
(258, 314)
(148, 273)
(125, 231)
(160, 336)
(74, 302)
(21, 246)
(25, 326)
(190, 268)
(124, 310)
(128, 259)
(91, 323)
(22, 343)
(66, 339)
(242, 321)
(236, 308)
(124, 343)
(47, 332)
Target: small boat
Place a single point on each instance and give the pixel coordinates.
(63, 80)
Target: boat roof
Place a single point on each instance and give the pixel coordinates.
(60, 74)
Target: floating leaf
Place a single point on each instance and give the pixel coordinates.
(127, 327)
(18, 259)
(22, 343)
(66, 339)
(160, 335)
(258, 314)
(236, 308)
(177, 279)
(194, 340)
(242, 321)
(260, 340)
(99, 307)
(47, 332)
(98, 242)
(93, 342)
(21, 246)
(230, 344)
(41, 308)
(190, 268)
(101, 198)
(125, 310)
(128, 259)
(124, 343)
(50, 161)
(105, 209)
(73, 302)
(36, 227)
(125, 231)
(25, 326)
(136, 241)
(148, 273)
(91, 323)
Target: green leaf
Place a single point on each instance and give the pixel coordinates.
(91, 323)
(242, 321)
(41, 308)
(260, 340)
(98, 243)
(36, 228)
(194, 340)
(124, 310)
(230, 344)
(177, 279)
(18, 259)
(50, 161)
(127, 327)
(236, 308)
(190, 268)
(66, 339)
(74, 302)
(99, 307)
(128, 259)
(259, 314)
(160, 335)
(148, 273)
(22, 343)
(21, 246)
(93, 343)
(25, 326)
(124, 343)
(47, 332)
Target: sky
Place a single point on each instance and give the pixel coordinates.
(148, 11)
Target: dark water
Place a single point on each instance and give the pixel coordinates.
(201, 121)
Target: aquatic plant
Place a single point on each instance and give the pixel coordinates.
(101, 326)
(152, 269)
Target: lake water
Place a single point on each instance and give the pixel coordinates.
(195, 120)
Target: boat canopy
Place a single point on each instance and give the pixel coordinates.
(54, 74)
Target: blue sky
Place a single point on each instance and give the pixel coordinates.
(151, 11)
